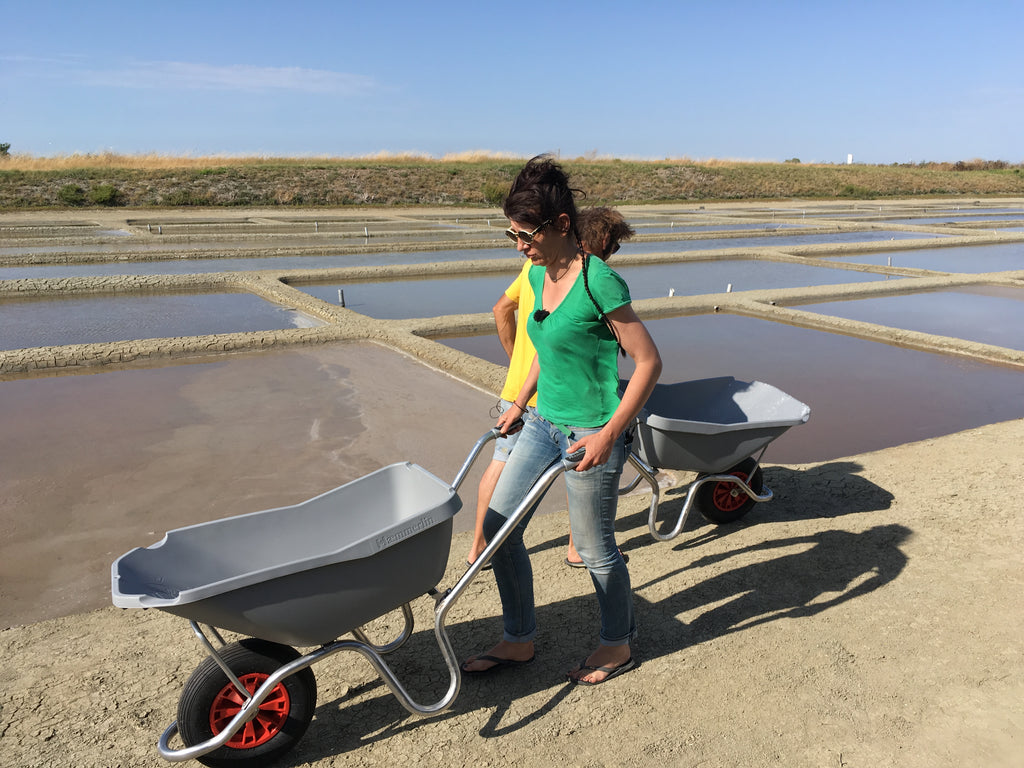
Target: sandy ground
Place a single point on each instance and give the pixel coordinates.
(871, 615)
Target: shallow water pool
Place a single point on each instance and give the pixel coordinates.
(971, 259)
(88, 319)
(987, 314)
(450, 295)
(864, 395)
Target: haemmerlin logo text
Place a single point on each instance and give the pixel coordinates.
(397, 536)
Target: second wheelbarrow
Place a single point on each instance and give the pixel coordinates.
(713, 427)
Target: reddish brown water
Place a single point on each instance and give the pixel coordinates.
(864, 395)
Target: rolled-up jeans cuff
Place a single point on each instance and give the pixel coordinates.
(631, 638)
(520, 639)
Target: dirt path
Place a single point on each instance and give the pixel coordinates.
(870, 616)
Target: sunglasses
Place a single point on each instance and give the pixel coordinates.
(526, 237)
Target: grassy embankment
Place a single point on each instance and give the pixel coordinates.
(145, 181)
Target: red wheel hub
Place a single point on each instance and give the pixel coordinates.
(269, 720)
(727, 496)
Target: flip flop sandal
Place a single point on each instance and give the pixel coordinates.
(625, 666)
(581, 564)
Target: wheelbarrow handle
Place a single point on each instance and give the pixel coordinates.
(574, 458)
(489, 435)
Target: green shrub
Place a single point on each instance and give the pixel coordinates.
(71, 194)
(185, 197)
(857, 192)
(104, 194)
(495, 194)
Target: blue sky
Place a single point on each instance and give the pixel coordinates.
(886, 81)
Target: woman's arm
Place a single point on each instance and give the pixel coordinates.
(525, 393)
(505, 319)
(639, 345)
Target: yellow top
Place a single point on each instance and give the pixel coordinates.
(522, 351)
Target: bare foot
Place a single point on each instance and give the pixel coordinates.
(475, 549)
(503, 654)
(607, 661)
(571, 555)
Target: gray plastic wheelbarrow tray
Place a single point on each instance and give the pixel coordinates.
(712, 427)
(304, 574)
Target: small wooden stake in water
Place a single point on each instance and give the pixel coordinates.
(316, 226)
(728, 288)
(366, 231)
(341, 297)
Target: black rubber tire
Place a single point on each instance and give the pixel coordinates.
(206, 686)
(724, 502)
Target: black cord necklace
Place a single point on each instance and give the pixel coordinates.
(540, 314)
(565, 272)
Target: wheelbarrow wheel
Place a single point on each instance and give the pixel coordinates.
(210, 700)
(725, 502)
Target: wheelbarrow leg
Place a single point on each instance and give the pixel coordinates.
(646, 472)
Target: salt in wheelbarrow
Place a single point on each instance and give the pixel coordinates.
(712, 427)
(304, 575)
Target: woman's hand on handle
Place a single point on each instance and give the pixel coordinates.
(511, 421)
(598, 448)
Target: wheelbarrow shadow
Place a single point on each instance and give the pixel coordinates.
(829, 490)
(792, 577)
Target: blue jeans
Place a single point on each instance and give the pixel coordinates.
(593, 498)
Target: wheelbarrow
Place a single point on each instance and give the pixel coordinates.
(712, 427)
(303, 575)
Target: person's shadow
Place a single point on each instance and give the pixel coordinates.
(792, 577)
(811, 574)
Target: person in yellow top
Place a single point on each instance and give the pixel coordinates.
(601, 230)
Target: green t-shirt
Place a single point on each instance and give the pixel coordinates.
(579, 372)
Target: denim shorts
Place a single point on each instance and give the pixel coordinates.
(504, 444)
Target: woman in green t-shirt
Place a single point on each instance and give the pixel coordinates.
(582, 315)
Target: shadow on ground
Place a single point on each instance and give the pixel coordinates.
(785, 577)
